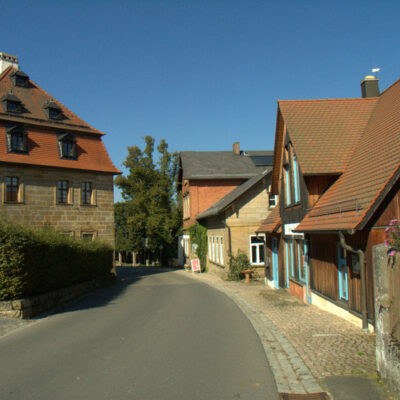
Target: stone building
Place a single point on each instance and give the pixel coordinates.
(232, 223)
(206, 177)
(54, 168)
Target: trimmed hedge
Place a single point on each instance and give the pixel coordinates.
(33, 262)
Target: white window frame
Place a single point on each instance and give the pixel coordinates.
(258, 245)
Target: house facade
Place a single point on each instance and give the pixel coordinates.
(336, 170)
(207, 177)
(54, 168)
(232, 223)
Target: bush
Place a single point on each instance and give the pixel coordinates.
(33, 262)
(198, 235)
(238, 264)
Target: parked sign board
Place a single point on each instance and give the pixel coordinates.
(195, 263)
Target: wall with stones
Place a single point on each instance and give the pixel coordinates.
(387, 347)
(37, 205)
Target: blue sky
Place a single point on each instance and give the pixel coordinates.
(201, 74)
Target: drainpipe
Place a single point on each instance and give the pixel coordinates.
(361, 257)
(229, 235)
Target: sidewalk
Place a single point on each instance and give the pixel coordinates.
(309, 350)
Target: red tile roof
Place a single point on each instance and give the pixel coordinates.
(373, 169)
(325, 132)
(42, 139)
(272, 222)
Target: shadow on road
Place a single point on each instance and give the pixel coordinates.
(126, 276)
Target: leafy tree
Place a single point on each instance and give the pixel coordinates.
(151, 208)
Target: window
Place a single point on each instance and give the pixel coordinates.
(296, 182)
(186, 206)
(301, 260)
(287, 186)
(272, 200)
(295, 258)
(19, 78)
(13, 106)
(291, 176)
(257, 246)
(67, 145)
(53, 110)
(216, 249)
(86, 193)
(12, 103)
(16, 139)
(62, 192)
(12, 189)
(88, 236)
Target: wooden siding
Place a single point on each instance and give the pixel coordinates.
(316, 186)
(323, 260)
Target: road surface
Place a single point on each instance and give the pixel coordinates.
(154, 335)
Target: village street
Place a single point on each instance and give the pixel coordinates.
(156, 334)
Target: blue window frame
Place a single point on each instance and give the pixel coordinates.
(287, 181)
(342, 271)
(291, 258)
(287, 262)
(301, 261)
(296, 180)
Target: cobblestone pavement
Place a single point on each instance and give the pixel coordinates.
(303, 343)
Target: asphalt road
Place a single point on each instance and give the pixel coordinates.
(155, 335)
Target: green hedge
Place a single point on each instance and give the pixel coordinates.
(33, 262)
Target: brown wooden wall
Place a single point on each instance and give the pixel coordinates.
(324, 277)
(316, 186)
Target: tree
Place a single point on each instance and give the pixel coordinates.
(150, 209)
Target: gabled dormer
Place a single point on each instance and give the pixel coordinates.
(20, 78)
(16, 138)
(67, 145)
(11, 103)
(53, 110)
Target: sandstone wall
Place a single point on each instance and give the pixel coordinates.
(37, 205)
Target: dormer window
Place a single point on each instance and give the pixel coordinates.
(12, 103)
(19, 78)
(67, 145)
(16, 139)
(53, 110)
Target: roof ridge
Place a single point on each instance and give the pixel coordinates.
(329, 100)
(389, 87)
(65, 107)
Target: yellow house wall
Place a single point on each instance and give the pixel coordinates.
(38, 207)
(244, 218)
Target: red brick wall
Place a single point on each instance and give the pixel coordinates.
(204, 193)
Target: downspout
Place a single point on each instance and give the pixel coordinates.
(222, 220)
(361, 257)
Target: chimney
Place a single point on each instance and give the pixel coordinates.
(369, 87)
(6, 60)
(236, 148)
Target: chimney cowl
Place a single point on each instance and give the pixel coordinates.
(6, 60)
(236, 148)
(369, 87)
